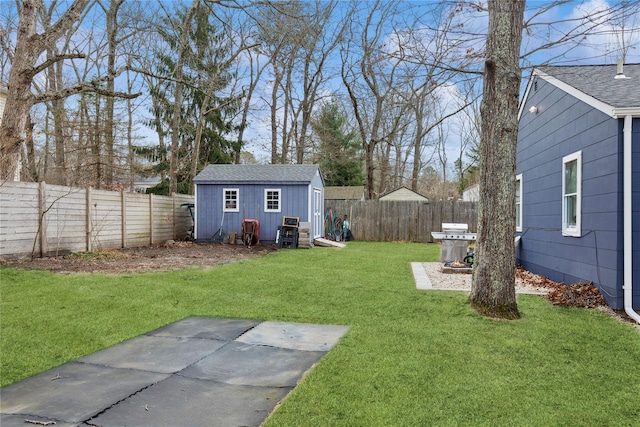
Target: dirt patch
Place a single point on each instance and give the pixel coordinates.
(166, 257)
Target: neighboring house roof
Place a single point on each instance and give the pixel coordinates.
(598, 85)
(258, 173)
(471, 194)
(355, 192)
(404, 194)
(143, 183)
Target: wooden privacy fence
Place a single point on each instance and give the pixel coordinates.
(43, 220)
(391, 221)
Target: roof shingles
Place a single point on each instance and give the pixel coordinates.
(598, 82)
(257, 173)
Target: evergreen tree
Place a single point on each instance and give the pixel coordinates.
(205, 117)
(340, 149)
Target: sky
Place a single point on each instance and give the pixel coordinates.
(603, 46)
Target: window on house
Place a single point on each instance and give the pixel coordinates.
(231, 199)
(272, 200)
(519, 202)
(571, 180)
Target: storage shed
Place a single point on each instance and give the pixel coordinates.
(227, 194)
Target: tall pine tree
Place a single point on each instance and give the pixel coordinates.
(340, 149)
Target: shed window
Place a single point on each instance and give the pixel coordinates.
(272, 200)
(571, 194)
(231, 199)
(519, 202)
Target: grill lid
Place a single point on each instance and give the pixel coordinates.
(452, 228)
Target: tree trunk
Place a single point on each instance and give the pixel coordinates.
(177, 101)
(493, 285)
(29, 46)
(31, 173)
(109, 132)
(274, 111)
(19, 96)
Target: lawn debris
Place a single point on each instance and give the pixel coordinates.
(573, 295)
(576, 295)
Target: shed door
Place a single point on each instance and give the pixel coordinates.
(317, 213)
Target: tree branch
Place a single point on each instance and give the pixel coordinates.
(92, 86)
(49, 62)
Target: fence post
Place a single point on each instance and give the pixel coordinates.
(88, 224)
(150, 219)
(42, 195)
(173, 216)
(123, 221)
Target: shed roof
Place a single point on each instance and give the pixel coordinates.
(598, 81)
(258, 173)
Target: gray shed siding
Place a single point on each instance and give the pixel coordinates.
(294, 202)
(562, 126)
(297, 185)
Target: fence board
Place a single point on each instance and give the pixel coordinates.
(77, 219)
(375, 220)
(85, 219)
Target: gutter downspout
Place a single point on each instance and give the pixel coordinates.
(627, 212)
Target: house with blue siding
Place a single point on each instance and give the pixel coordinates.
(578, 178)
(227, 194)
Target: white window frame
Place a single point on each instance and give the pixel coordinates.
(572, 230)
(224, 199)
(519, 202)
(278, 191)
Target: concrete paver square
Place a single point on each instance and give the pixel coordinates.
(73, 392)
(248, 364)
(297, 336)
(206, 327)
(180, 401)
(156, 354)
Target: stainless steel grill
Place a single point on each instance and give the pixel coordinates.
(455, 241)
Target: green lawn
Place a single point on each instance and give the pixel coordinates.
(411, 358)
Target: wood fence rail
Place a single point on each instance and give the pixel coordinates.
(389, 221)
(38, 219)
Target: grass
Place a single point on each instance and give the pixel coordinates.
(411, 358)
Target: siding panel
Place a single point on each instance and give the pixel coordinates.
(564, 126)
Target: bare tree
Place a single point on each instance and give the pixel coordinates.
(369, 75)
(29, 46)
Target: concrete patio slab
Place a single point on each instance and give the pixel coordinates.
(206, 327)
(296, 336)
(191, 402)
(155, 354)
(195, 372)
(74, 392)
(260, 366)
